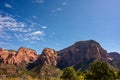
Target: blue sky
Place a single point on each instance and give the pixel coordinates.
(57, 24)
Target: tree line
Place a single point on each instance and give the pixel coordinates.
(98, 71)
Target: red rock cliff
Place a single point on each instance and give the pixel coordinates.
(22, 55)
(80, 52)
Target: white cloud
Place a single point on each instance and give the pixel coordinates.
(8, 5)
(32, 24)
(17, 35)
(44, 27)
(60, 8)
(57, 10)
(19, 29)
(37, 33)
(1, 43)
(36, 36)
(27, 31)
(4, 35)
(1, 28)
(8, 21)
(38, 1)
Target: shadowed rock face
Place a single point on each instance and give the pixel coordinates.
(12, 57)
(114, 55)
(47, 57)
(81, 52)
(45, 65)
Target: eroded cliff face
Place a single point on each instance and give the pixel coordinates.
(26, 55)
(83, 51)
(23, 55)
(46, 64)
(47, 57)
(7, 56)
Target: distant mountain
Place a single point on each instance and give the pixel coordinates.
(114, 55)
(115, 59)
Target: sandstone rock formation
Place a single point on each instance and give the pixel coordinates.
(23, 55)
(80, 53)
(26, 55)
(47, 57)
(45, 65)
(7, 56)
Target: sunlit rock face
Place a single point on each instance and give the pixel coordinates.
(26, 55)
(23, 55)
(7, 56)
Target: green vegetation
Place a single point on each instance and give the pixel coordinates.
(118, 74)
(98, 71)
(69, 74)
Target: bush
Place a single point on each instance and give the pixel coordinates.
(100, 71)
(69, 74)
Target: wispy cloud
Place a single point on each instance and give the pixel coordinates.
(4, 35)
(33, 36)
(60, 8)
(37, 33)
(38, 1)
(8, 5)
(57, 10)
(8, 21)
(2, 43)
(22, 31)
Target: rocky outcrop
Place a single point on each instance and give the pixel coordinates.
(81, 52)
(45, 65)
(48, 57)
(26, 55)
(23, 55)
(7, 56)
(114, 55)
